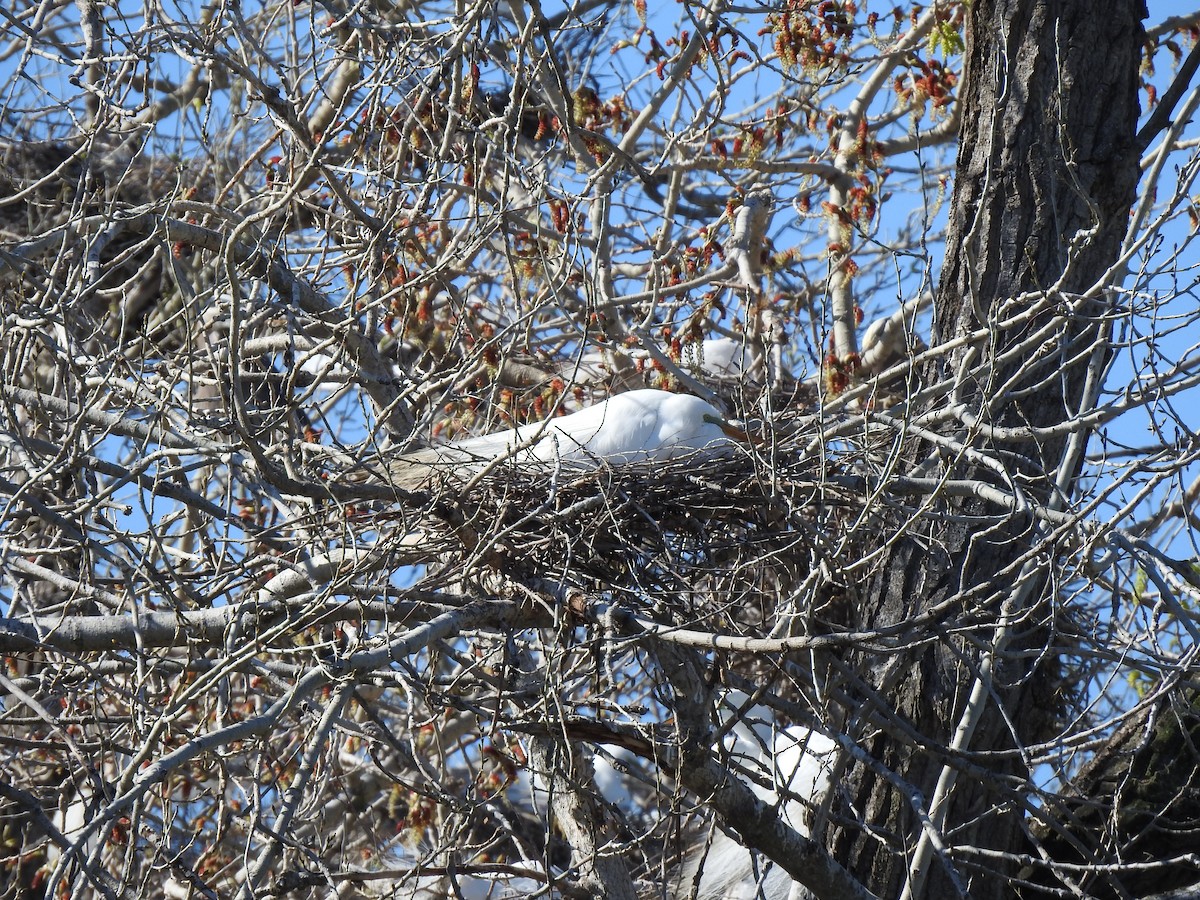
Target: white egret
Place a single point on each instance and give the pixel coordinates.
(715, 357)
(798, 763)
(724, 357)
(640, 426)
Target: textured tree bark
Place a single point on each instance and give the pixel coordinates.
(1138, 797)
(1046, 175)
(572, 807)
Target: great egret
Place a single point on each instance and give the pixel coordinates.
(724, 357)
(798, 763)
(640, 426)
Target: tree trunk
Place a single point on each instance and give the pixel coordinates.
(1138, 798)
(1046, 174)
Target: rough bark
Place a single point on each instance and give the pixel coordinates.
(573, 811)
(1046, 174)
(1137, 800)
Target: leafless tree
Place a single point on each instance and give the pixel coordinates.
(927, 629)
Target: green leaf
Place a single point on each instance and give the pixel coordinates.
(947, 38)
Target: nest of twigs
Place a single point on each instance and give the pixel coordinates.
(720, 541)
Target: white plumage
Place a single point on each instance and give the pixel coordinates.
(798, 762)
(724, 357)
(636, 427)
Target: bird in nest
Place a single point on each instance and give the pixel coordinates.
(637, 427)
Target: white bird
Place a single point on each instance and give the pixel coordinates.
(641, 426)
(798, 762)
(724, 357)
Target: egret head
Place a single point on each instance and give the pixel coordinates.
(729, 429)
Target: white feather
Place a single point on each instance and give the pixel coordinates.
(724, 357)
(640, 426)
(798, 764)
